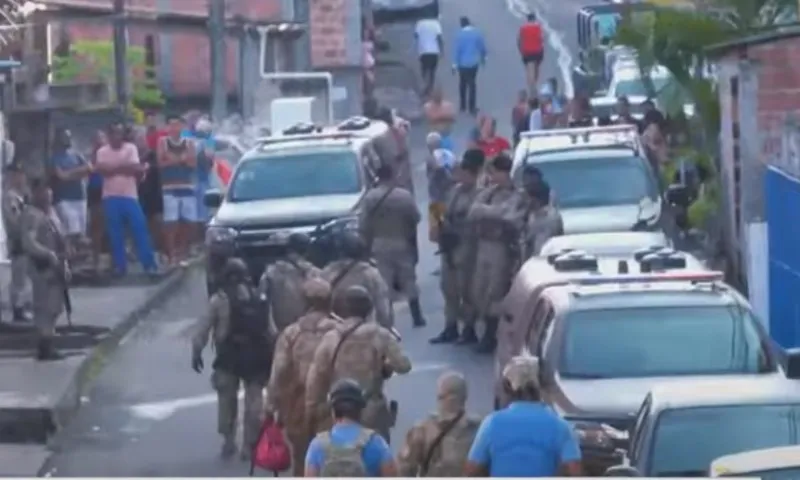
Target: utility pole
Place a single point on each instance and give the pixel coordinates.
(120, 55)
(216, 38)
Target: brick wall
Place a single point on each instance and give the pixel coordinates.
(328, 31)
(184, 69)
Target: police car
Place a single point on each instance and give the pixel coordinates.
(607, 340)
(681, 428)
(601, 179)
(306, 179)
(779, 463)
(560, 267)
(611, 244)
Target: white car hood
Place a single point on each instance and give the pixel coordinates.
(617, 218)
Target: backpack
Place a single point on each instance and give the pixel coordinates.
(344, 460)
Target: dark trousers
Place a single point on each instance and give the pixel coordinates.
(467, 88)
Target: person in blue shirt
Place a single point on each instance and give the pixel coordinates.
(206, 148)
(527, 438)
(469, 55)
(70, 171)
(349, 449)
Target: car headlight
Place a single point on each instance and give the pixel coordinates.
(218, 235)
(344, 224)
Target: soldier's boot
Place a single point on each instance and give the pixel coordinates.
(488, 342)
(20, 314)
(416, 313)
(228, 447)
(468, 336)
(46, 351)
(448, 335)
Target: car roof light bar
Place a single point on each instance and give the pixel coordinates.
(659, 277)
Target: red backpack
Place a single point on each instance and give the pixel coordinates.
(271, 451)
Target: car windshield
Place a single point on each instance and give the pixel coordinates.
(661, 341)
(296, 175)
(635, 87)
(687, 440)
(583, 182)
(781, 474)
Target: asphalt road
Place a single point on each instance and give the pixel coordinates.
(148, 414)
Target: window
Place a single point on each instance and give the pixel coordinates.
(296, 175)
(583, 182)
(662, 341)
(545, 331)
(687, 440)
(536, 322)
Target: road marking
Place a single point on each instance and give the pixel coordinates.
(520, 8)
(164, 409)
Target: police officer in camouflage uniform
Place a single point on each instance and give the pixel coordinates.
(294, 352)
(44, 244)
(536, 220)
(388, 221)
(238, 323)
(496, 247)
(282, 282)
(457, 248)
(438, 446)
(13, 208)
(357, 268)
(361, 350)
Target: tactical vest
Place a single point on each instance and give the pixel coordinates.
(246, 351)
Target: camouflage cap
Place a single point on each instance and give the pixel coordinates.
(522, 371)
(316, 288)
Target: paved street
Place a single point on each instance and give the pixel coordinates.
(150, 415)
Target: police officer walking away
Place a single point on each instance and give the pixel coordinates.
(438, 446)
(457, 250)
(282, 282)
(44, 243)
(244, 353)
(496, 246)
(357, 268)
(349, 449)
(13, 208)
(294, 352)
(389, 222)
(361, 350)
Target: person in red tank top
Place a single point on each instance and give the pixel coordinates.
(531, 48)
(490, 143)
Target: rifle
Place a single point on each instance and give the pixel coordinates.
(65, 289)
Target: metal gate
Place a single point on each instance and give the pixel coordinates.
(782, 193)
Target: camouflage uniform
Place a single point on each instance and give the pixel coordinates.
(422, 455)
(392, 149)
(294, 353)
(390, 228)
(458, 264)
(366, 274)
(540, 226)
(13, 207)
(282, 284)
(365, 355)
(252, 369)
(44, 243)
(493, 259)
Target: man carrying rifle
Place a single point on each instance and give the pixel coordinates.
(44, 242)
(388, 222)
(457, 250)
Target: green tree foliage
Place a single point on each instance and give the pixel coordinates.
(95, 60)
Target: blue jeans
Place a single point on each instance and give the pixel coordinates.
(120, 211)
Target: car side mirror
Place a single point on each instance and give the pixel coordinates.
(793, 363)
(212, 198)
(678, 195)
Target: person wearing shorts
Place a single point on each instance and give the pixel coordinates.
(177, 161)
(70, 171)
(531, 49)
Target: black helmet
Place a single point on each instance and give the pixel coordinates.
(352, 245)
(235, 270)
(298, 243)
(357, 301)
(346, 390)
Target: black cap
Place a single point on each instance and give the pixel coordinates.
(352, 245)
(502, 163)
(298, 242)
(346, 390)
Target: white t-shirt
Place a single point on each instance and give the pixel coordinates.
(428, 32)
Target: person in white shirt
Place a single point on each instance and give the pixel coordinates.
(428, 34)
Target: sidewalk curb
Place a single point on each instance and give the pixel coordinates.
(69, 403)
